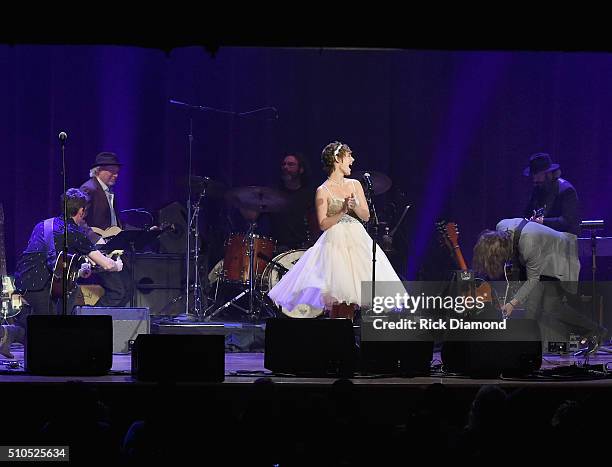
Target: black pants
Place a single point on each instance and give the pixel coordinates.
(39, 303)
(118, 287)
(551, 301)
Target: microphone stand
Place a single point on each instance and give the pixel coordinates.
(593, 227)
(63, 138)
(187, 316)
(374, 229)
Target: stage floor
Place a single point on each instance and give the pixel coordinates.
(244, 368)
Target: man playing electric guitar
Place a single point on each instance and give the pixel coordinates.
(33, 274)
(555, 196)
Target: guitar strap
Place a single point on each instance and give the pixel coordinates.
(519, 273)
(49, 241)
(550, 198)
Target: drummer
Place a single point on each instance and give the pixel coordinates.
(295, 227)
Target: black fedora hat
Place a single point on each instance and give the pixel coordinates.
(540, 162)
(106, 158)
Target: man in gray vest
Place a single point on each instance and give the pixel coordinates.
(550, 264)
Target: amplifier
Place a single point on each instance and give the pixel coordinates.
(128, 323)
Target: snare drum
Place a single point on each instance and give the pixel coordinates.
(272, 274)
(236, 260)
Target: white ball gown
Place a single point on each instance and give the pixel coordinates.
(333, 269)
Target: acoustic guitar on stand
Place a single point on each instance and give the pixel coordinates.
(11, 302)
(449, 234)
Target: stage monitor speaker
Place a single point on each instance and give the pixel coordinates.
(128, 323)
(69, 345)
(179, 357)
(493, 356)
(310, 347)
(173, 241)
(397, 357)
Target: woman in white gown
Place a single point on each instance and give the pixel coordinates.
(330, 274)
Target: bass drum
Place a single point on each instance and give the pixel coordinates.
(272, 275)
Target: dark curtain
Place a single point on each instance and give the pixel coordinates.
(452, 129)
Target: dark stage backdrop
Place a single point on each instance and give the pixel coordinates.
(452, 129)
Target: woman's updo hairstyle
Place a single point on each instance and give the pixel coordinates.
(333, 152)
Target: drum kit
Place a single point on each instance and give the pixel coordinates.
(250, 260)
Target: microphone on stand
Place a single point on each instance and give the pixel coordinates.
(368, 180)
(63, 136)
(373, 226)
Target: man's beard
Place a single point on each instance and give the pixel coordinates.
(287, 177)
(543, 188)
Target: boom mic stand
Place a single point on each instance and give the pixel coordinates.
(187, 316)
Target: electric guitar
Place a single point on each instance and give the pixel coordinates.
(78, 266)
(10, 301)
(538, 213)
(449, 234)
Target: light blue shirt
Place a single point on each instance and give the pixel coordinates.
(110, 196)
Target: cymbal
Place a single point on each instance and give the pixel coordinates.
(380, 182)
(214, 189)
(258, 198)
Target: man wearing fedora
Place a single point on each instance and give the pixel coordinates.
(102, 213)
(554, 195)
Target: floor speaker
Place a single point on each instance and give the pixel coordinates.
(515, 351)
(310, 347)
(128, 323)
(69, 345)
(179, 357)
